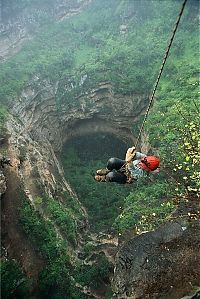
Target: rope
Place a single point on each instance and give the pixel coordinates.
(161, 70)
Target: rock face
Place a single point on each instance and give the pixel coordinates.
(37, 111)
(2, 184)
(98, 110)
(163, 264)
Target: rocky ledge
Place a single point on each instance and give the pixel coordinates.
(163, 264)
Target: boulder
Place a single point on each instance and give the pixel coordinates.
(163, 264)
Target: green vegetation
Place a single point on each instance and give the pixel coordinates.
(59, 276)
(180, 144)
(41, 232)
(72, 205)
(92, 46)
(146, 208)
(55, 280)
(92, 275)
(3, 115)
(14, 281)
(177, 137)
(82, 45)
(88, 249)
(63, 219)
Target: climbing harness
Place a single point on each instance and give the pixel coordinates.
(161, 70)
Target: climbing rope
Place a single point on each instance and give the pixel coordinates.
(161, 70)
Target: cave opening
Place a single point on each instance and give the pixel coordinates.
(81, 156)
(97, 146)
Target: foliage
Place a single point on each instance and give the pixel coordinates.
(13, 281)
(41, 232)
(177, 136)
(57, 283)
(88, 248)
(63, 219)
(93, 275)
(145, 208)
(38, 200)
(22, 153)
(56, 279)
(3, 116)
(189, 166)
(91, 44)
(53, 249)
(72, 205)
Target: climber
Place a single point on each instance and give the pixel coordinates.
(136, 165)
(5, 161)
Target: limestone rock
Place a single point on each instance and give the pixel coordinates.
(98, 110)
(163, 264)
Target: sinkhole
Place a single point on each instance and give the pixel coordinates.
(81, 157)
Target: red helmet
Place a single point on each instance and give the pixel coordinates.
(150, 163)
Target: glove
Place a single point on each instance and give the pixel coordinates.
(130, 154)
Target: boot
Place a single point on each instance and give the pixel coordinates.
(102, 171)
